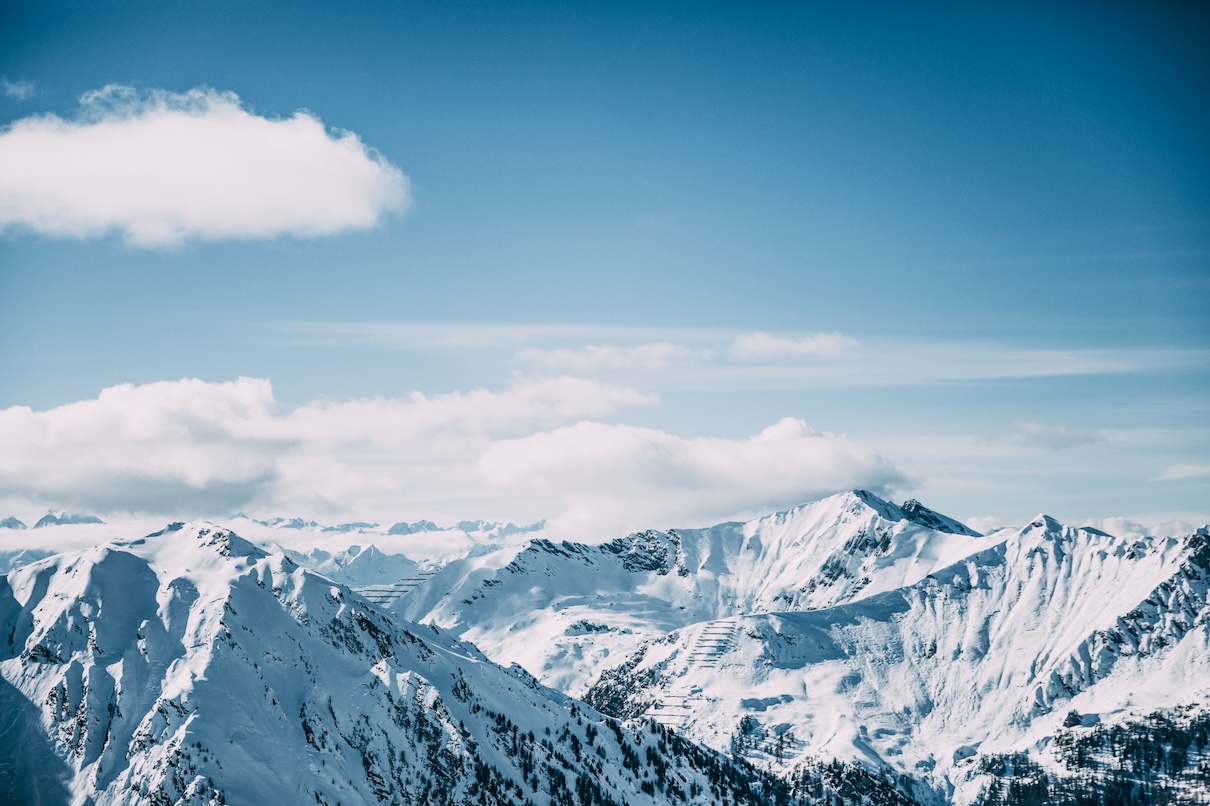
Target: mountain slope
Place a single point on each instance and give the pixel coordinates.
(567, 611)
(190, 667)
(986, 656)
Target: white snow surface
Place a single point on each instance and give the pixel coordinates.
(985, 655)
(192, 667)
(848, 627)
(568, 611)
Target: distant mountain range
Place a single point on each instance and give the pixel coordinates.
(480, 527)
(51, 519)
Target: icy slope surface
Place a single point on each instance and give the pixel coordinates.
(988, 655)
(568, 611)
(192, 667)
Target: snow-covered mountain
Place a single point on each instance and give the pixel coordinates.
(356, 566)
(65, 519)
(852, 628)
(567, 611)
(988, 656)
(191, 667)
(1045, 664)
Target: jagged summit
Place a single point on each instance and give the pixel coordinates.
(65, 519)
(12, 523)
(563, 610)
(914, 511)
(405, 528)
(987, 655)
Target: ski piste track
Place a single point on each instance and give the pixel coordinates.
(714, 641)
(386, 594)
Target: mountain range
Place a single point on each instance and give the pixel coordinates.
(849, 650)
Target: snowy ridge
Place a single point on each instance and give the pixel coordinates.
(357, 565)
(567, 611)
(192, 667)
(986, 656)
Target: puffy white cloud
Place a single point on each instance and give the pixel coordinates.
(1126, 527)
(764, 347)
(161, 168)
(188, 445)
(619, 477)
(189, 448)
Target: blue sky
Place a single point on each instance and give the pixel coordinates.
(977, 241)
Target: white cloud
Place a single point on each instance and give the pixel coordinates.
(764, 347)
(161, 168)
(1128, 527)
(607, 356)
(720, 359)
(618, 477)
(984, 524)
(191, 448)
(17, 90)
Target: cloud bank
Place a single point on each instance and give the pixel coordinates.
(160, 168)
(623, 476)
(533, 449)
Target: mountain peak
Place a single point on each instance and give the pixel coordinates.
(917, 512)
(178, 542)
(1045, 523)
(914, 511)
(65, 519)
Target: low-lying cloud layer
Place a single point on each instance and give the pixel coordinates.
(160, 168)
(533, 449)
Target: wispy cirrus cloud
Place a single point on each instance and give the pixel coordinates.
(761, 346)
(595, 357)
(160, 168)
(719, 358)
(17, 90)
(425, 336)
(1185, 471)
(1053, 437)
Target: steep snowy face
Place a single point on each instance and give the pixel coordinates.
(192, 667)
(987, 655)
(568, 611)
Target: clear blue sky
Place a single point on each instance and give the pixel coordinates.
(1014, 199)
